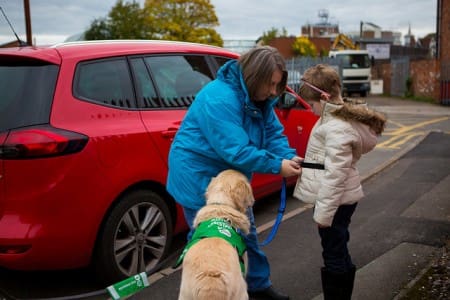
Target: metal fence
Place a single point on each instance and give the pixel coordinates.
(398, 80)
(399, 77)
(298, 65)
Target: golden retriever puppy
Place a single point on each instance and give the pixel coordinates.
(212, 268)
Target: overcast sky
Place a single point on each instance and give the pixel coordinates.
(52, 21)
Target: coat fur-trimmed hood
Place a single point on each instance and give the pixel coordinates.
(357, 110)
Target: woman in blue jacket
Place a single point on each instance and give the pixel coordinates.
(232, 125)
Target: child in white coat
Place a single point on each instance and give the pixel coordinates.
(344, 132)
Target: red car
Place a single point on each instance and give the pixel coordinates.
(85, 129)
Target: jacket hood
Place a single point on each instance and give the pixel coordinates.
(357, 111)
(231, 74)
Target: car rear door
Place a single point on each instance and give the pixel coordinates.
(166, 86)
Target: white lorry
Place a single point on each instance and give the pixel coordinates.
(355, 65)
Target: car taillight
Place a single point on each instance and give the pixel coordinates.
(41, 141)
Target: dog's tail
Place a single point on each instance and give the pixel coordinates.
(212, 285)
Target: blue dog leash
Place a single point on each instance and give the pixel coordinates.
(281, 210)
(282, 207)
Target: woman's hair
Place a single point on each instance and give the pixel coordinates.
(258, 66)
(325, 78)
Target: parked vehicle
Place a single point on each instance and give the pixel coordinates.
(85, 129)
(356, 72)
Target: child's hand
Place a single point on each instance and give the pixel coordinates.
(290, 168)
(297, 159)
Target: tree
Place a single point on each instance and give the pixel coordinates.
(99, 30)
(180, 20)
(272, 34)
(304, 47)
(183, 20)
(124, 21)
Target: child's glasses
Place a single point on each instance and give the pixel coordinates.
(322, 92)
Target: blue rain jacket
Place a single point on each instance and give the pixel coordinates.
(224, 129)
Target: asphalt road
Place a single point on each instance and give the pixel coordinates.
(382, 222)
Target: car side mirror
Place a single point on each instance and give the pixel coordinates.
(287, 100)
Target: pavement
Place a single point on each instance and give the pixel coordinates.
(380, 275)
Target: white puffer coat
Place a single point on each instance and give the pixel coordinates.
(341, 135)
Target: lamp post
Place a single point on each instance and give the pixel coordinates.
(26, 6)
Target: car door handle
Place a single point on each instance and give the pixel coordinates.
(169, 133)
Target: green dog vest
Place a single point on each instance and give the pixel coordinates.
(219, 228)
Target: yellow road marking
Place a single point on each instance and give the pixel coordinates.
(398, 141)
(403, 134)
(418, 125)
(396, 123)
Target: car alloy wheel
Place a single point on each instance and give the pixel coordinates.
(136, 236)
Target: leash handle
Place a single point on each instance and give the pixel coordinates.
(280, 213)
(312, 165)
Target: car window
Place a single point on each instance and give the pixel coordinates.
(145, 90)
(178, 78)
(27, 89)
(105, 81)
(220, 60)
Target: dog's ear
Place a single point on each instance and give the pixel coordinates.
(242, 195)
(250, 198)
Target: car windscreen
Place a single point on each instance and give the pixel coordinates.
(26, 92)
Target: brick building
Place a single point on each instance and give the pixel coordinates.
(431, 76)
(321, 29)
(284, 45)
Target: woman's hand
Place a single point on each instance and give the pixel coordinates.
(290, 168)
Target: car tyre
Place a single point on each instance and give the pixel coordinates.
(135, 237)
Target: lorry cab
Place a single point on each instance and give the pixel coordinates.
(356, 73)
